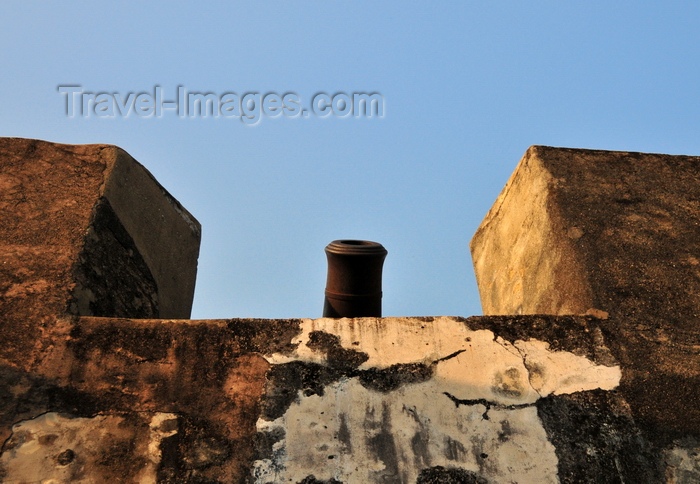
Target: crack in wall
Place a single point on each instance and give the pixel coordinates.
(530, 369)
(19, 422)
(426, 430)
(449, 357)
(405, 365)
(486, 403)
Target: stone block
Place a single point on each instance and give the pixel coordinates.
(576, 229)
(86, 230)
(617, 235)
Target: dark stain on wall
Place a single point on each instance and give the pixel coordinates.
(420, 440)
(389, 379)
(596, 439)
(312, 480)
(508, 383)
(382, 444)
(344, 434)
(112, 277)
(263, 442)
(336, 355)
(449, 475)
(454, 450)
(563, 333)
(286, 380)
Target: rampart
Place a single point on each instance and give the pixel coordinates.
(584, 369)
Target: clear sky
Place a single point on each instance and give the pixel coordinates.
(466, 86)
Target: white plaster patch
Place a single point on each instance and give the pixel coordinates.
(386, 341)
(486, 366)
(560, 372)
(476, 412)
(356, 435)
(57, 448)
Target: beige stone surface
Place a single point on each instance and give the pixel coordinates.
(356, 435)
(612, 234)
(577, 230)
(523, 251)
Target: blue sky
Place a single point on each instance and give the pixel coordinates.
(467, 88)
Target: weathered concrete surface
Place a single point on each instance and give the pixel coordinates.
(86, 230)
(98, 449)
(405, 395)
(209, 374)
(355, 400)
(578, 231)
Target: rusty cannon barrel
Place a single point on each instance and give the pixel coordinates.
(354, 284)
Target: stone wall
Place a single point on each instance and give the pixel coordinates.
(94, 389)
(350, 400)
(86, 230)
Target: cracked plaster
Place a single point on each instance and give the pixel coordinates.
(476, 411)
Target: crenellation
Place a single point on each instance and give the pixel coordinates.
(590, 374)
